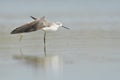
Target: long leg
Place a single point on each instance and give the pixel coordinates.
(21, 52)
(20, 39)
(45, 43)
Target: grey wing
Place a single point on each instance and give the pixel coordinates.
(29, 27)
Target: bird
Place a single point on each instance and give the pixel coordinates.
(38, 24)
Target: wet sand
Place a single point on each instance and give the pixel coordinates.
(89, 51)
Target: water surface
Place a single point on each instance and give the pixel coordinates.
(89, 51)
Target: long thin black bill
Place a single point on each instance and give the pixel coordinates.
(65, 27)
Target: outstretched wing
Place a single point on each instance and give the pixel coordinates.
(32, 26)
(35, 25)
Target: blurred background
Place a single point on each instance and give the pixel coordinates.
(89, 51)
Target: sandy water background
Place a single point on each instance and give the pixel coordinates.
(89, 51)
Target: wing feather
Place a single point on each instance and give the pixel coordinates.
(35, 25)
(29, 27)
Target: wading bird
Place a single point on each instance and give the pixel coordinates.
(38, 24)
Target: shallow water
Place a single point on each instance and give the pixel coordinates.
(69, 56)
(89, 51)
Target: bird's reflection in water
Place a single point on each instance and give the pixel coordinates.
(50, 66)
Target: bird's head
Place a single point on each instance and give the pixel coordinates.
(61, 25)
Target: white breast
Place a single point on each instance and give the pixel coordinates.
(51, 28)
